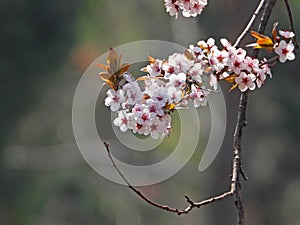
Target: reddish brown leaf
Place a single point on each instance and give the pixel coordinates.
(188, 54)
(151, 59)
(233, 87)
(230, 78)
(104, 75)
(102, 66)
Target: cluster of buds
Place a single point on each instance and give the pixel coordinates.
(144, 104)
(188, 7)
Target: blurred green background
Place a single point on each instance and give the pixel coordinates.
(45, 47)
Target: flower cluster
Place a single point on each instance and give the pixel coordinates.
(143, 105)
(147, 111)
(188, 7)
(230, 64)
(142, 115)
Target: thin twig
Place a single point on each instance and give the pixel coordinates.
(243, 173)
(191, 204)
(266, 16)
(241, 119)
(270, 61)
(289, 11)
(139, 193)
(290, 15)
(250, 23)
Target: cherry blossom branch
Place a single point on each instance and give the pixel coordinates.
(241, 121)
(237, 171)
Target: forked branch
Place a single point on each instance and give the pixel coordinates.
(237, 171)
(191, 203)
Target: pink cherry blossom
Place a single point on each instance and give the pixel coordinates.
(260, 78)
(198, 96)
(285, 51)
(218, 59)
(246, 81)
(154, 69)
(195, 50)
(171, 7)
(196, 72)
(237, 64)
(132, 92)
(141, 128)
(174, 94)
(122, 121)
(251, 65)
(155, 107)
(189, 7)
(177, 80)
(156, 128)
(286, 34)
(114, 99)
(180, 62)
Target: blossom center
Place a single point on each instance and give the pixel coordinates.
(285, 51)
(245, 80)
(237, 64)
(124, 120)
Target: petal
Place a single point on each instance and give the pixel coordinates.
(278, 50)
(282, 58)
(196, 103)
(291, 56)
(238, 79)
(283, 44)
(114, 107)
(123, 128)
(259, 83)
(290, 47)
(211, 41)
(251, 86)
(242, 87)
(252, 77)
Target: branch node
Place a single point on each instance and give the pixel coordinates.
(244, 175)
(106, 146)
(190, 201)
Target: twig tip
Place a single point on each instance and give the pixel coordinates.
(106, 146)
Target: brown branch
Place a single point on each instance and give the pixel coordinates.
(250, 23)
(237, 171)
(191, 203)
(138, 192)
(272, 61)
(241, 120)
(290, 15)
